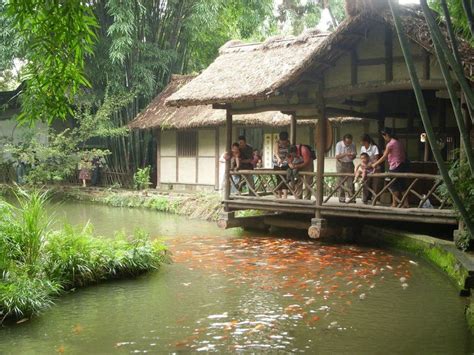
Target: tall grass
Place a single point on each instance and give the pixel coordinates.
(36, 264)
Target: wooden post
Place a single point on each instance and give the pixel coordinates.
(158, 158)
(228, 145)
(293, 129)
(217, 157)
(388, 54)
(321, 151)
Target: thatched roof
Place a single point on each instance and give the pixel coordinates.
(249, 71)
(159, 115)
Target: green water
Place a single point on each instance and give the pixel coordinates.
(231, 291)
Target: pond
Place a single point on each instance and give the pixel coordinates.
(233, 291)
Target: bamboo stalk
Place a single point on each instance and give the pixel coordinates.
(470, 17)
(425, 118)
(454, 44)
(454, 101)
(457, 69)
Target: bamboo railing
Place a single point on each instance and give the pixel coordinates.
(267, 184)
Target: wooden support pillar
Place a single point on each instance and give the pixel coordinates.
(293, 129)
(321, 152)
(388, 54)
(158, 158)
(228, 146)
(216, 160)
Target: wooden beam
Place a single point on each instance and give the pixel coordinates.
(273, 107)
(217, 157)
(388, 54)
(381, 86)
(338, 112)
(385, 60)
(321, 152)
(293, 129)
(220, 106)
(228, 145)
(158, 157)
(354, 67)
(288, 222)
(426, 65)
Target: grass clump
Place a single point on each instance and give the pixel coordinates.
(37, 264)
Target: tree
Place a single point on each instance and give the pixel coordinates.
(57, 35)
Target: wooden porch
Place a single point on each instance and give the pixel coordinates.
(259, 190)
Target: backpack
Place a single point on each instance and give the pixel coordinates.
(310, 148)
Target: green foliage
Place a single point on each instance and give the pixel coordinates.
(37, 263)
(458, 17)
(66, 150)
(141, 179)
(75, 258)
(57, 35)
(464, 185)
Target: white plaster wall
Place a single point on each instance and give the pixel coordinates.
(206, 171)
(168, 143)
(207, 142)
(340, 75)
(373, 46)
(187, 170)
(168, 170)
(370, 73)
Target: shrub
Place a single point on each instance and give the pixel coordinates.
(36, 263)
(141, 178)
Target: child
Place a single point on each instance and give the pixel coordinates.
(235, 157)
(293, 159)
(257, 159)
(361, 171)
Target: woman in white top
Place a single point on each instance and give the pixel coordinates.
(369, 147)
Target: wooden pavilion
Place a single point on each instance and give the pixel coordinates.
(190, 140)
(357, 70)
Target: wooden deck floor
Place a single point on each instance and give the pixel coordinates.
(333, 208)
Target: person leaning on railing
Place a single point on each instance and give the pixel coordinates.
(280, 154)
(302, 154)
(397, 161)
(369, 147)
(345, 155)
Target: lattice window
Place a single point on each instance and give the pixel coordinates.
(187, 144)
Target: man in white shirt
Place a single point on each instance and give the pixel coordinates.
(345, 155)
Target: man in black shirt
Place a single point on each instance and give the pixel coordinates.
(246, 158)
(246, 154)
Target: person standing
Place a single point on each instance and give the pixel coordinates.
(397, 163)
(345, 155)
(280, 154)
(369, 147)
(302, 160)
(246, 159)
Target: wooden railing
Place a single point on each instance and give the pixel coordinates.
(421, 190)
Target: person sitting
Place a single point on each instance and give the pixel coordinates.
(360, 175)
(397, 161)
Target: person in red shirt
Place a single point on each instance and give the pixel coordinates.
(303, 155)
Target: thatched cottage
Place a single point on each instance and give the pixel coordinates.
(358, 71)
(190, 140)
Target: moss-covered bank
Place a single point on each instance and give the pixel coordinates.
(458, 265)
(198, 205)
